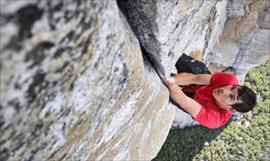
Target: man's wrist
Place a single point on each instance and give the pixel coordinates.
(170, 81)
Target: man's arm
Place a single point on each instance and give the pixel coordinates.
(188, 104)
(189, 78)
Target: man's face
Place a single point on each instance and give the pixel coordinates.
(226, 96)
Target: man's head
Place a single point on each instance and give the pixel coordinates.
(235, 98)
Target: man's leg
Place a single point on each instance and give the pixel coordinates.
(187, 64)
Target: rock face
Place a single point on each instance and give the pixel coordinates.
(166, 29)
(75, 84)
(245, 40)
(75, 88)
(220, 33)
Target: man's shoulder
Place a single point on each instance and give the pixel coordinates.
(220, 79)
(212, 116)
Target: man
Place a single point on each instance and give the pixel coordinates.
(214, 97)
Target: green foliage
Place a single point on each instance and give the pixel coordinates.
(245, 140)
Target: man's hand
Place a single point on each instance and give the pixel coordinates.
(169, 81)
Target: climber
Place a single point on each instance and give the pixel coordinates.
(210, 98)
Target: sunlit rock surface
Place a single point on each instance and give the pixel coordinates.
(167, 29)
(244, 43)
(220, 33)
(76, 85)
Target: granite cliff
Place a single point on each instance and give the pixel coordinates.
(76, 83)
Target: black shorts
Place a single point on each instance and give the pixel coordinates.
(187, 64)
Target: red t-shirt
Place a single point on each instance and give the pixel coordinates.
(210, 114)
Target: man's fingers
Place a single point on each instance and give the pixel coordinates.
(169, 80)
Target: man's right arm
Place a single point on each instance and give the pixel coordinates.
(190, 78)
(188, 104)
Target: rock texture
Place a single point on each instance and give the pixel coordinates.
(244, 43)
(75, 88)
(220, 33)
(75, 84)
(166, 29)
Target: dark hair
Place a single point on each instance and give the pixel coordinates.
(248, 97)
